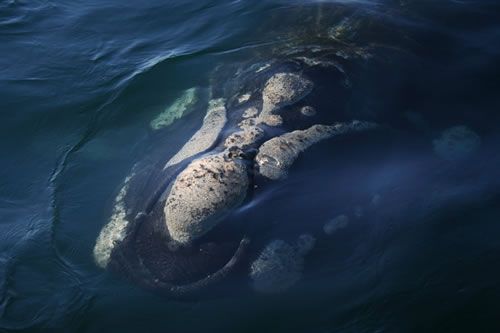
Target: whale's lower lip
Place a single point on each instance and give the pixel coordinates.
(150, 259)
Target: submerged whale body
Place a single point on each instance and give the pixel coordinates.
(184, 224)
(173, 228)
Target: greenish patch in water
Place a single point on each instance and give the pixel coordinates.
(179, 108)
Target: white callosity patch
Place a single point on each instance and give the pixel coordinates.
(308, 111)
(249, 132)
(456, 143)
(305, 243)
(244, 138)
(243, 98)
(113, 232)
(176, 110)
(206, 136)
(262, 68)
(280, 90)
(203, 194)
(280, 265)
(337, 223)
(251, 112)
(273, 120)
(277, 155)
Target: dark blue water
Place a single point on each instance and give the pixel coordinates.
(80, 82)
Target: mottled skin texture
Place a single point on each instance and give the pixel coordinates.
(178, 236)
(202, 194)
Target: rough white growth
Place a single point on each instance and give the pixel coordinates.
(243, 98)
(113, 232)
(272, 120)
(250, 112)
(305, 243)
(283, 89)
(203, 194)
(244, 138)
(340, 222)
(456, 143)
(308, 111)
(250, 131)
(205, 137)
(280, 265)
(262, 68)
(277, 155)
(176, 110)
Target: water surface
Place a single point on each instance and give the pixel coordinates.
(81, 81)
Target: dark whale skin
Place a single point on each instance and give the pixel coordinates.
(147, 255)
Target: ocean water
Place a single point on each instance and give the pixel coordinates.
(82, 81)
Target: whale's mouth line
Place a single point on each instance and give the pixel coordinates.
(145, 277)
(211, 278)
(148, 260)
